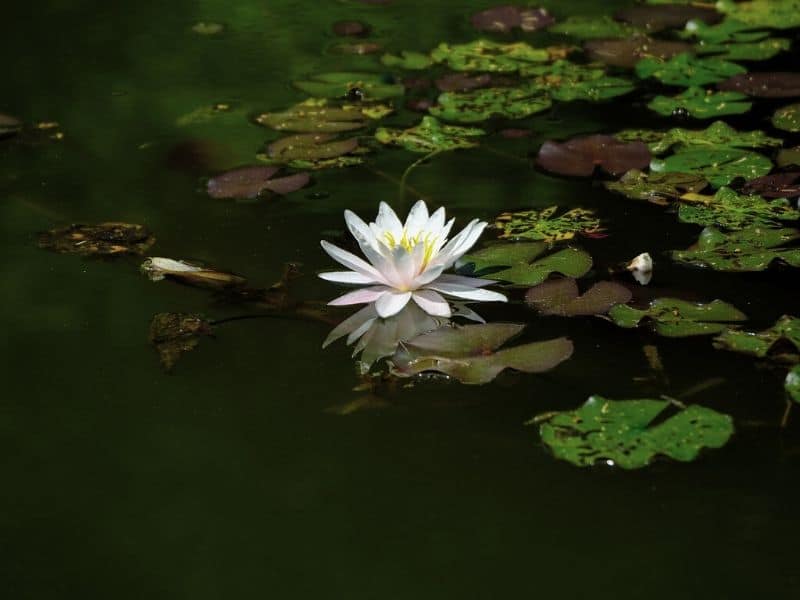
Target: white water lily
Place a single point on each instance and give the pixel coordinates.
(407, 262)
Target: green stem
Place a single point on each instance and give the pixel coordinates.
(407, 172)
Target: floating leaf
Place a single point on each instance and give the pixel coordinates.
(764, 85)
(519, 263)
(773, 14)
(249, 182)
(730, 210)
(687, 70)
(469, 353)
(462, 82)
(729, 30)
(580, 156)
(411, 61)
(485, 55)
(761, 50)
(103, 239)
(787, 118)
(718, 167)
(309, 147)
(718, 134)
(157, 268)
(666, 16)
(316, 116)
(658, 188)
(627, 52)
(430, 136)
(589, 28)
(567, 81)
(560, 297)
(174, 334)
(479, 105)
(502, 19)
(337, 85)
(544, 225)
(788, 156)
(616, 432)
(701, 104)
(780, 342)
(752, 249)
(777, 185)
(672, 317)
(350, 28)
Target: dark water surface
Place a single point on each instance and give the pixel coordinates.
(230, 478)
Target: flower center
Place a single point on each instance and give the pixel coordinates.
(408, 243)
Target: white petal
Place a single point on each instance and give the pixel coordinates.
(391, 302)
(406, 267)
(417, 218)
(459, 245)
(352, 277)
(428, 275)
(432, 303)
(467, 293)
(387, 221)
(441, 239)
(351, 261)
(360, 230)
(362, 296)
(461, 280)
(436, 222)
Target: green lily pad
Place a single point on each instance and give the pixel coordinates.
(761, 50)
(687, 70)
(590, 28)
(479, 105)
(672, 317)
(314, 116)
(752, 249)
(658, 188)
(337, 85)
(491, 57)
(730, 210)
(788, 156)
(772, 14)
(792, 384)
(430, 136)
(701, 104)
(616, 432)
(560, 297)
(411, 61)
(717, 135)
(567, 81)
(718, 167)
(470, 353)
(787, 118)
(519, 263)
(729, 30)
(544, 225)
(781, 341)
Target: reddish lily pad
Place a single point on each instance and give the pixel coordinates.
(777, 185)
(103, 239)
(581, 155)
(461, 82)
(249, 182)
(627, 52)
(502, 19)
(666, 16)
(560, 297)
(764, 85)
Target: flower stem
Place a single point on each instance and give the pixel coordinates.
(407, 172)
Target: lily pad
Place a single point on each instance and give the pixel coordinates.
(666, 16)
(103, 239)
(158, 268)
(738, 51)
(560, 297)
(787, 118)
(590, 28)
(688, 70)
(672, 317)
(315, 116)
(502, 19)
(469, 353)
(780, 342)
(629, 51)
(480, 105)
(491, 57)
(619, 432)
(658, 188)
(174, 334)
(410, 61)
(701, 104)
(566, 81)
(730, 210)
(310, 147)
(519, 263)
(580, 156)
(752, 249)
(350, 28)
(430, 136)
(777, 185)
(788, 156)
(718, 134)
(462, 82)
(773, 14)
(544, 225)
(729, 30)
(718, 167)
(764, 85)
(337, 85)
(250, 182)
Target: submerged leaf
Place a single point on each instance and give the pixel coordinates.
(502, 19)
(718, 167)
(545, 226)
(658, 188)
(519, 263)
(672, 317)
(687, 70)
(103, 239)
(730, 210)
(627, 52)
(580, 156)
(787, 118)
(560, 297)
(157, 268)
(249, 182)
(616, 432)
(430, 136)
(701, 104)
(781, 341)
(752, 249)
(716, 136)
(764, 85)
(337, 85)
(174, 334)
(480, 105)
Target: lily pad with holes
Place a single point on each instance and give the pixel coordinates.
(580, 156)
(158, 268)
(491, 57)
(480, 105)
(338, 84)
(560, 297)
(718, 167)
(470, 353)
(629, 51)
(250, 182)
(174, 334)
(752, 249)
(590, 28)
(522, 264)
(658, 188)
(688, 70)
(717, 135)
(701, 104)
(103, 239)
(619, 432)
(773, 14)
(430, 136)
(780, 342)
(672, 317)
(546, 225)
(730, 210)
(787, 118)
(566, 81)
(410, 61)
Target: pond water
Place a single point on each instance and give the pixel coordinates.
(253, 468)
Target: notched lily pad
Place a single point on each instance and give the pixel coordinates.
(103, 239)
(730, 210)
(764, 85)
(672, 317)
(688, 70)
(718, 167)
(371, 86)
(520, 263)
(470, 353)
(658, 188)
(250, 182)
(752, 249)
(480, 105)
(430, 136)
(701, 104)
(781, 342)
(716, 136)
(560, 297)
(502, 19)
(787, 118)
(174, 334)
(629, 51)
(581, 155)
(620, 432)
(546, 226)
(157, 268)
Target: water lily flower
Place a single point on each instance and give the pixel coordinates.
(407, 262)
(641, 267)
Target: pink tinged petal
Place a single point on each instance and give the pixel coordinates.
(432, 303)
(387, 221)
(350, 277)
(430, 274)
(362, 296)
(467, 281)
(417, 218)
(391, 302)
(467, 292)
(351, 261)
